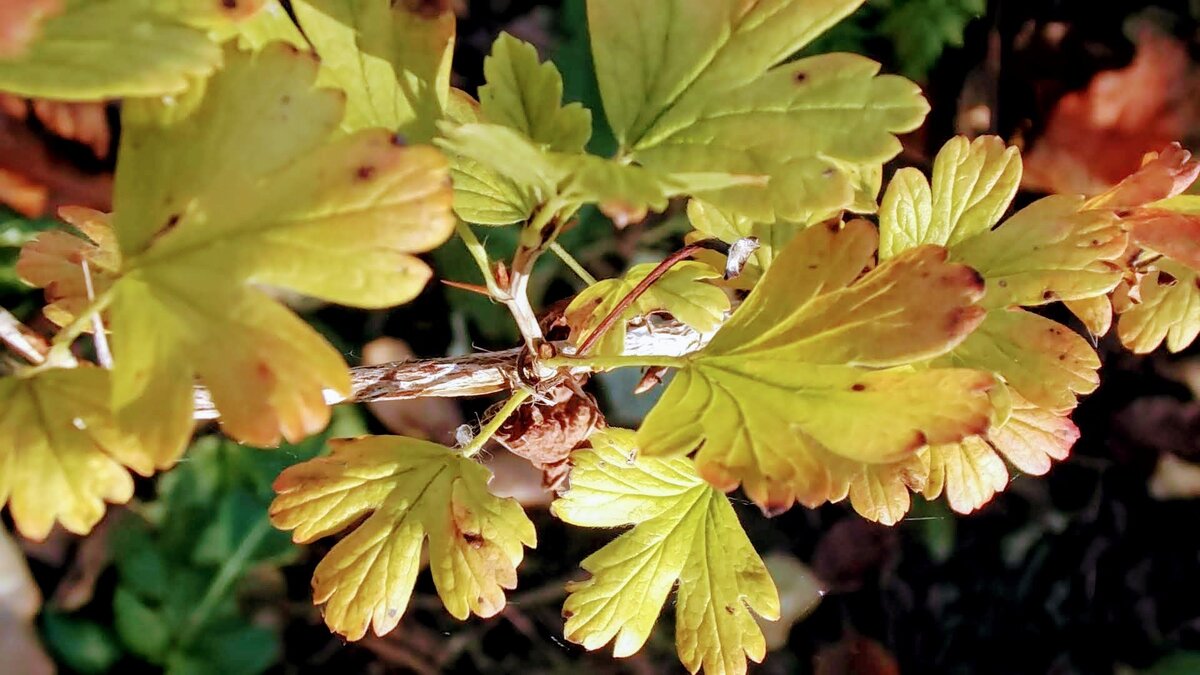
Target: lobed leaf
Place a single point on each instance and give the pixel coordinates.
(974, 183)
(684, 532)
(682, 291)
(804, 381)
(54, 261)
(62, 454)
(61, 61)
(391, 59)
(410, 491)
(710, 89)
(240, 185)
(1168, 310)
(525, 94)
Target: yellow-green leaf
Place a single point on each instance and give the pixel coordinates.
(62, 455)
(539, 175)
(483, 194)
(98, 49)
(1043, 360)
(1169, 309)
(973, 185)
(803, 381)
(682, 291)
(392, 60)
(707, 87)
(526, 95)
(1048, 251)
(409, 490)
(729, 227)
(684, 532)
(236, 186)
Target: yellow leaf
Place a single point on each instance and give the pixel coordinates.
(98, 49)
(239, 185)
(1046, 252)
(973, 185)
(803, 381)
(708, 87)
(62, 455)
(413, 490)
(1096, 313)
(683, 532)
(682, 291)
(1169, 310)
(392, 60)
(729, 226)
(1042, 360)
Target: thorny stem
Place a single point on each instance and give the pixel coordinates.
(15, 334)
(99, 339)
(636, 293)
(494, 424)
(599, 363)
(572, 263)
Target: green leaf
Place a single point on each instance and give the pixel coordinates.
(392, 60)
(526, 95)
(684, 532)
(97, 49)
(413, 490)
(708, 88)
(82, 645)
(803, 382)
(519, 175)
(242, 185)
(140, 627)
(681, 291)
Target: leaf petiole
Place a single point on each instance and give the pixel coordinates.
(493, 425)
(572, 263)
(479, 254)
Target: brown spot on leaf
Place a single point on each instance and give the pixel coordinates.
(473, 539)
(365, 172)
(800, 77)
(399, 140)
(1049, 295)
(858, 386)
(1002, 283)
(729, 609)
(263, 371)
(567, 614)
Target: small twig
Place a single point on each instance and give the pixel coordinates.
(99, 338)
(19, 338)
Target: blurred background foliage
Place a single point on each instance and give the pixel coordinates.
(1090, 570)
